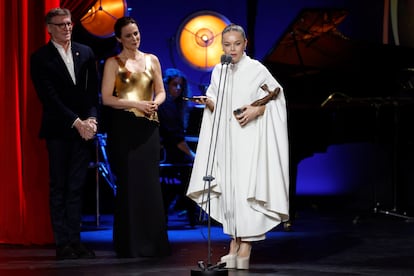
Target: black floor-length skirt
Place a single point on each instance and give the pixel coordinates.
(139, 228)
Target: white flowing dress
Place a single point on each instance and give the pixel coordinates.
(249, 194)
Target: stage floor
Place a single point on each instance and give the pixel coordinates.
(320, 243)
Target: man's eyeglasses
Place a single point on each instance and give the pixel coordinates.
(63, 25)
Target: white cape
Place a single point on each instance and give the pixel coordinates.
(249, 194)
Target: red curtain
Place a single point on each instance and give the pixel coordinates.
(24, 191)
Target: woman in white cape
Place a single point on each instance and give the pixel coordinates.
(246, 154)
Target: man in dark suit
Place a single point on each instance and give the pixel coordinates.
(64, 74)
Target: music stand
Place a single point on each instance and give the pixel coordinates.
(340, 99)
(102, 168)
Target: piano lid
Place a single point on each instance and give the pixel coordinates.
(313, 50)
(313, 41)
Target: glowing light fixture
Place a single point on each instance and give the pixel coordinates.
(199, 39)
(100, 19)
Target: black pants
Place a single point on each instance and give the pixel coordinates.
(68, 166)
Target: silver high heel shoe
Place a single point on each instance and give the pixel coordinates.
(242, 262)
(230, 260)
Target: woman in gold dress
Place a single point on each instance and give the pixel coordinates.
(133, 88)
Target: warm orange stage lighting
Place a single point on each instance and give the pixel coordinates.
(100, 19)
(199, 39)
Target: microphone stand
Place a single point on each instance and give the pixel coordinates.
(210, 269)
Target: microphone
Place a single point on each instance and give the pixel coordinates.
(226, 59)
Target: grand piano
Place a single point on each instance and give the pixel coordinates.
(340, 90)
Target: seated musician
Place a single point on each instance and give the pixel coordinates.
(172, 132)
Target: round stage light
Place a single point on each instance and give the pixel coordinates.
(100, 19)
(199, 39)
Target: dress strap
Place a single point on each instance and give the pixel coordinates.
(120, 62)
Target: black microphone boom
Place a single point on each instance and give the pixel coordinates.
(226, 59)
(209, 269)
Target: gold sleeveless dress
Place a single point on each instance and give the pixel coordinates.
(139, 228)
(136, 86)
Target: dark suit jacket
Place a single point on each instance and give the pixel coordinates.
(62, 100)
